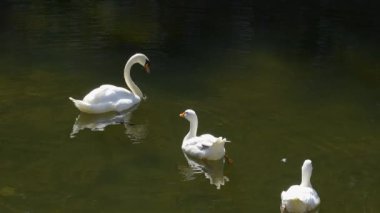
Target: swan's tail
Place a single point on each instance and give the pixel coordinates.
(81, 105)
(77, 103)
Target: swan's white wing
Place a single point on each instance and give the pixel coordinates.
(108, 93)
(107, 98)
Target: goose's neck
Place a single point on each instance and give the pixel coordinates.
(127, 76)
(193, 128)
(306, 175)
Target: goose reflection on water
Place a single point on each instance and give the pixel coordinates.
(212, 169)
(312, 211)
(98, 122)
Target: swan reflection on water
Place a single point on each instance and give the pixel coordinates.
(213, 170)
(98, 122)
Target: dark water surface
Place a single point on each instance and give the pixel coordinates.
(280, 80)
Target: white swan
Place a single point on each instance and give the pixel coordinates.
(301, 198)
(206, 146)
(108, 98)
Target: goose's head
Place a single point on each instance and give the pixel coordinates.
(307, 166)
(189, 114)
(143, 60)
(307, 169)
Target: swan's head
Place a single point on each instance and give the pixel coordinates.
(189, 114)
(307, 169)
(143, 60)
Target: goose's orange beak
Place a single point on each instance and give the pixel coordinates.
(182, 115)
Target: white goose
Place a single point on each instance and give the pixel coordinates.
(205, 147)
(108, 98)
(301, 198)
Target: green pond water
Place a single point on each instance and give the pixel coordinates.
(290, 81)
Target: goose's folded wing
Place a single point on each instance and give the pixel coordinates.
(207, 140)
(201, 142)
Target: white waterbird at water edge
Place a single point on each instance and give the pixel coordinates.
(301, 198)
(206, 146)
(108, 98)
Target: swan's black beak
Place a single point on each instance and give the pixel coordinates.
(147, 66)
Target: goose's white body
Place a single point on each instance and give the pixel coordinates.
(108, 98)
(301, 198)
(205, 146)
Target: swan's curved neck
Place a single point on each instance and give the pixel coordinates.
(193, 128)
(306, 175)
(127, 76)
